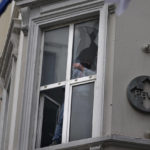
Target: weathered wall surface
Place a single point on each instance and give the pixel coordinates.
(119, 148)
(132, 31)
(5, 20)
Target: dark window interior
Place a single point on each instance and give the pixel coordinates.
(53, 100)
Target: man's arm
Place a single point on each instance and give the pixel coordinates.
(84, 70)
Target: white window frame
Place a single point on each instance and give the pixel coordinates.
(40, 116)
(96, 79)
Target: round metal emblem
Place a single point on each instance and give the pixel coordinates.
(138, 93)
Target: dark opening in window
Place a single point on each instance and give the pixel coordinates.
(52, 103)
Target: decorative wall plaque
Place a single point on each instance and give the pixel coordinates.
(138, 93)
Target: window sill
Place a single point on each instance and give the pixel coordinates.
(94, 143)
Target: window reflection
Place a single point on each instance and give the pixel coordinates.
(81, 112)
(55, 56)
(85, 49)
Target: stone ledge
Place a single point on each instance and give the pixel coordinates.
(98, 143)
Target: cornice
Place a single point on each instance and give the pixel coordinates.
(34, 3)
(66, 4)
(66, 10)
(51, 11)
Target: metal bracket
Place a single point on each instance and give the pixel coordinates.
(146, 48)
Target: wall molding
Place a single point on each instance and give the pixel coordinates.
(10, 49)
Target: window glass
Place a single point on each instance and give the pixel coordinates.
(52, 115)
(55, 56)
(85, 49)
(81, 112)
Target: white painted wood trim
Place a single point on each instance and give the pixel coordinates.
(51, 86)
(34, 144)
(41, 62)
(15, 93)
(52, 100)
(83, 80)
(40, 122)
(65, 115)
(29, 87)
(69, 112)
(99, 85)
(70, 47)
(67, 90)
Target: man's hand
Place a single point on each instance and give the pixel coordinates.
(78, 66)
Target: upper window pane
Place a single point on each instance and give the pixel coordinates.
(85, 49)
(55, 56)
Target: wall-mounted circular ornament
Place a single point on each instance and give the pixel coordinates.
(138, 93)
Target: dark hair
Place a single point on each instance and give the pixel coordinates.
(89, 54)
(86, 65)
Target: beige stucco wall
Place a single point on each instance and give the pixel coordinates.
(4, 26)
(125, 62)
(5, 20)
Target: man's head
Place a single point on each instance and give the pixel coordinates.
(86, 64)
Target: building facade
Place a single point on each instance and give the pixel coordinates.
(75, 73)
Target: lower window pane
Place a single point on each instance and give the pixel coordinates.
(81, 112)
(51, 113)
(49, 122)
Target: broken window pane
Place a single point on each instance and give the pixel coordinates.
(52, 115)
(81, 112)
(85, 49)
(55, 56)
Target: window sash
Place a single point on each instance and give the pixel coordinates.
(69, 83)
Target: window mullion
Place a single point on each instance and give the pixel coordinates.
(99, 84)
(70, 46)
(67, 102)
(68, 111)
(66, 114)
